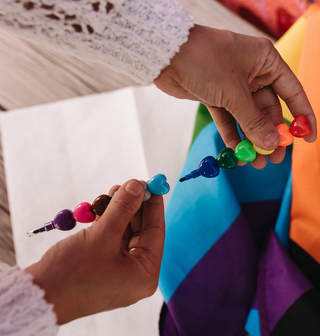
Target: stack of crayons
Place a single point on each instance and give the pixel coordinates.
(246, 151)
(85, 212)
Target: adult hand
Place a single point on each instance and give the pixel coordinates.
(221, 69)
(97, 269)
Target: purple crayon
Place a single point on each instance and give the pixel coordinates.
(62, 221)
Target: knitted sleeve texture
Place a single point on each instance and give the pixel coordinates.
(23, 310)
(137, 37)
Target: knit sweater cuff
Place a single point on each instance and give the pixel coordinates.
(137, 37)
(23, 310)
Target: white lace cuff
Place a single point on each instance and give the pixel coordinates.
(137, 37)
(23, 310)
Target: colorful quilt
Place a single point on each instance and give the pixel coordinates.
(242, 250)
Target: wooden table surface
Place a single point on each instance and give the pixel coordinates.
(33, 74)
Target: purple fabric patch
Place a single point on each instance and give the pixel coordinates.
(280, 283)
(216, 296)
(255, 304)
(166, 323)
(261, 217)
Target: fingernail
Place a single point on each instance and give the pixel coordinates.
(145, 184)
(134, 188)
(114, 192)
(271, 139)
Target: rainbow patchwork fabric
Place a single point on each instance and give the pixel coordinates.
(242, 250)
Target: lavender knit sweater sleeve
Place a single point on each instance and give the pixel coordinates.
(137, 37)
(23, 310)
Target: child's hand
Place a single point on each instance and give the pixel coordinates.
(221, 69)
(114, 263)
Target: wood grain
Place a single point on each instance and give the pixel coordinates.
(33, 74)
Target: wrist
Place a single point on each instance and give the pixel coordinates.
(54, 292)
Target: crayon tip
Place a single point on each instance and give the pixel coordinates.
(182, 179)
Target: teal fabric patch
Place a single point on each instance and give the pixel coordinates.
(253, 323)
(282, 226)
(254, 185)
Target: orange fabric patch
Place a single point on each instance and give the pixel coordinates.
(305, 209)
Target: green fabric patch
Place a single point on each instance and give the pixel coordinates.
(287, 122)
(203, 118)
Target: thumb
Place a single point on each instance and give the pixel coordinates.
(123, 205)
(258, 129)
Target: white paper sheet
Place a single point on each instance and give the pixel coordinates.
(60, 154)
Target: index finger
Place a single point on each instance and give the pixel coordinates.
(288, 87)
(153, 228)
